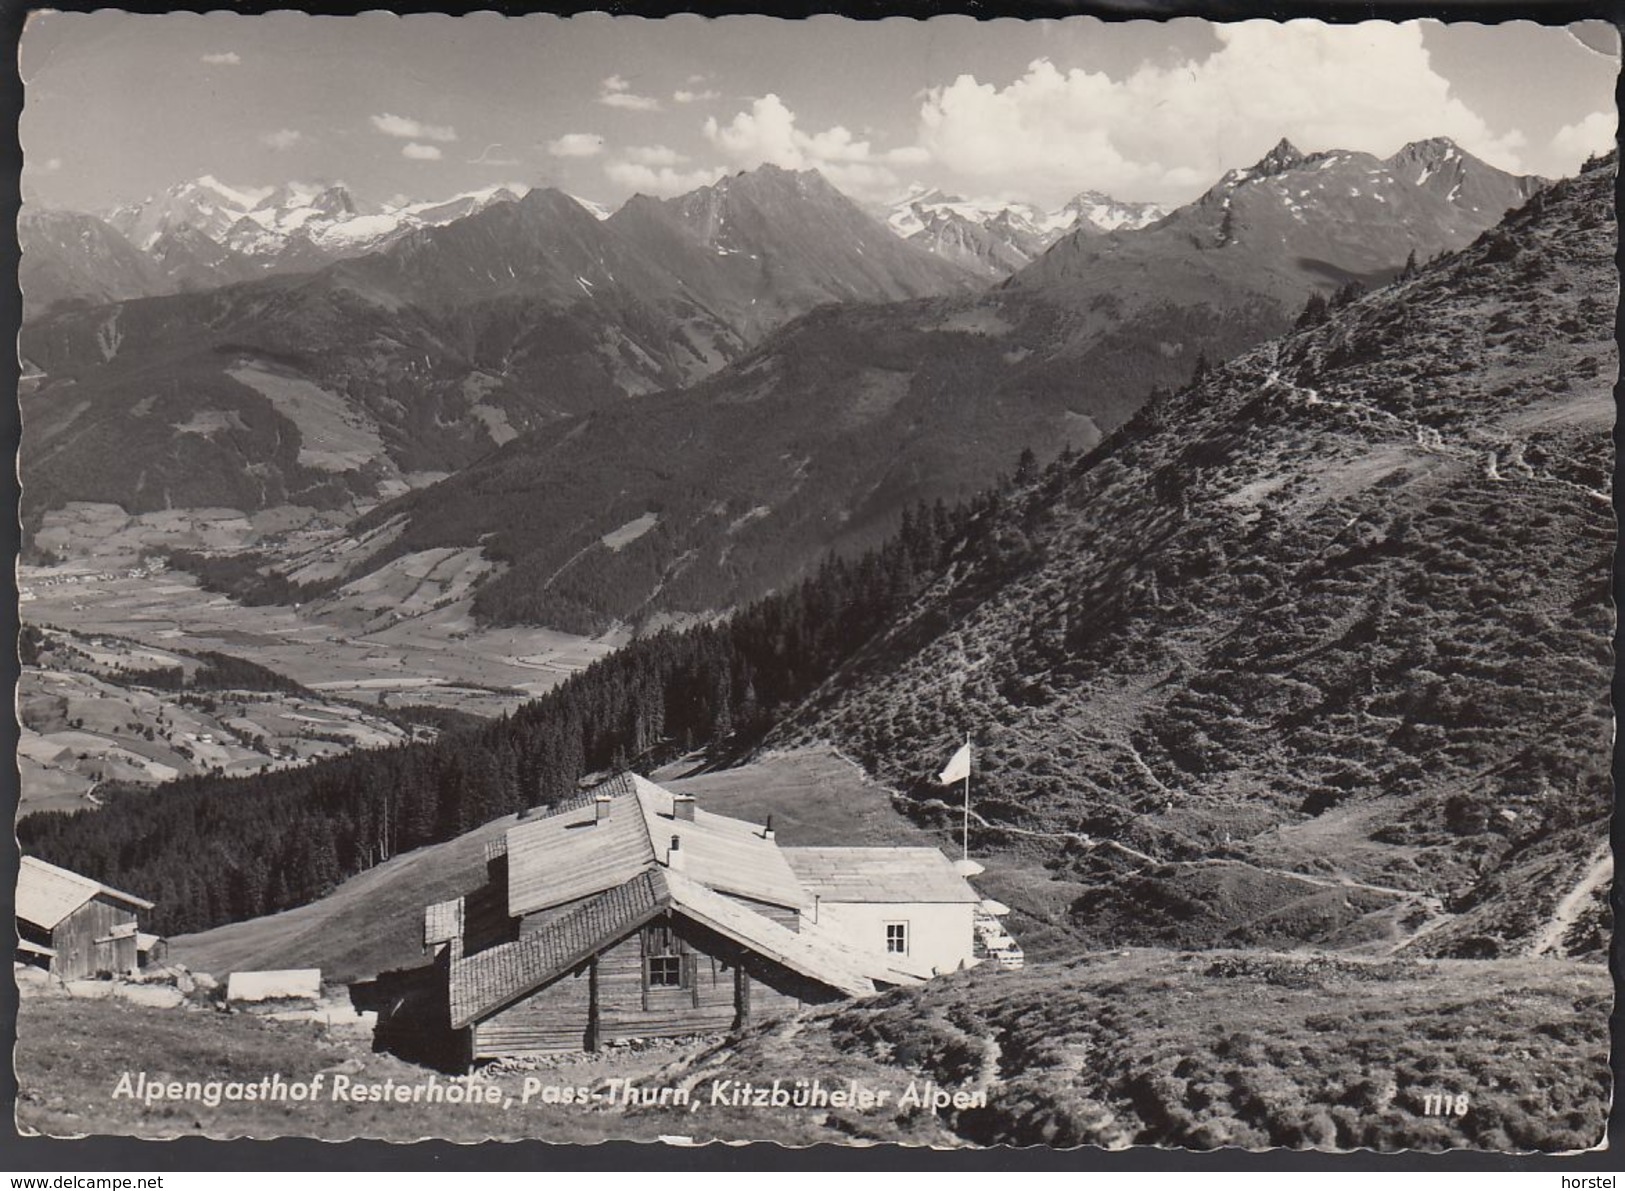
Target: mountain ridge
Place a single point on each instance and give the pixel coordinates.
(425, 355)
(203, 234)
(819, 436)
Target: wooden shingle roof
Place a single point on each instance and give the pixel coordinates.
(879, 875)
(489, 979)
(721, 853)
(443, 922)
(573, 854)
(47, 894)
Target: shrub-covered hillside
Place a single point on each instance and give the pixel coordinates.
(1338, 609)
(1201, 1051)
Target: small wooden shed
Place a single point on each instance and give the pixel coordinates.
(75, 927)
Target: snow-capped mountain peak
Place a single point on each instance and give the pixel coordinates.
(596, 210)
(1108, 214)
(231, 196)
(996, 237)
(292, 225)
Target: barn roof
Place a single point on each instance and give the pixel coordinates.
(573, 854)
(491, 979)
(47, 894)
(879, 875)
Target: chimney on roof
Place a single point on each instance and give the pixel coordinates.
(767, 832)
(674, 857)
(601, 805)
(682, 807)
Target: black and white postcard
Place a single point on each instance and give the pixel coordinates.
(952, 583)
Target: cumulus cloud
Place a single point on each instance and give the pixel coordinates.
(616, 92)
(661, 181)
(415, 130)
(682, 96)
(421, 152)
(229, 58)
(1593, 136)
(576, 144)
(767, 134)
(1163, 132)
(282, 138)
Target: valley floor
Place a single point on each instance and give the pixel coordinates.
(78, 731)
(1121, 1048)
(439, 657)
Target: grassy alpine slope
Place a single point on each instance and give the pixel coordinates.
(1217, 1049)
(1319, 643)
(1115, 1049)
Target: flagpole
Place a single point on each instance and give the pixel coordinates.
(965, 834)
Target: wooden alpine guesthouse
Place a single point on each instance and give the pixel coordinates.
(632, 913)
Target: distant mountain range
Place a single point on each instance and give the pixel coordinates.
(996, 239)
(1333, 216)
(803, 374)
(820, 436)
(292, 225)
(204, 233)
(324, 388)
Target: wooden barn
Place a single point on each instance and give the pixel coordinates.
(635, 914)
(75, 927)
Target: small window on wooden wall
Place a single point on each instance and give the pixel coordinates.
(668, 965)
(897, 938)
(665, 971)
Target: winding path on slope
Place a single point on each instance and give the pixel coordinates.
(1430, 441)
(1600, 870)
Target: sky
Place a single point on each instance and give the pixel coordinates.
(121, 106)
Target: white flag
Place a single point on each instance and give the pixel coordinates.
(958, 769)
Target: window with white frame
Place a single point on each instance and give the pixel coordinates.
(897, 938)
